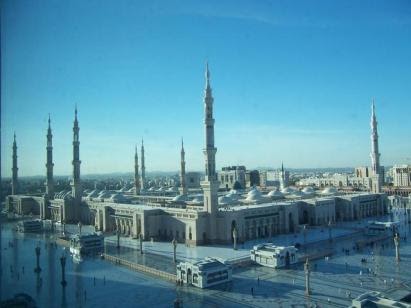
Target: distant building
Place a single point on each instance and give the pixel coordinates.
(205, 273)
(363, 172)
(193, 179)
(274, 256)
(274, 178)
(232, 177)
(402, 175)
(252, 178)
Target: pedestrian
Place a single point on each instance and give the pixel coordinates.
(252, 291)
(258, 280)
(94, 281)
(85, 295)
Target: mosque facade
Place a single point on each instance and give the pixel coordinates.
(211, 217)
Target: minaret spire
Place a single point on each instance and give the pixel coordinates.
(183, 188)
(14, 169)
(143, 166)
(210, 184)
(49, 163)
(76, 190)
(136, 176)
(282, 178)
(375, 155)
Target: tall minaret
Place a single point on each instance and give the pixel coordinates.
(282, 179)
(14, 169)
(136, 176)
(49, 164)
(210, 184)
(76, 190)
(143, 167)
(375, 155)
(183, 188)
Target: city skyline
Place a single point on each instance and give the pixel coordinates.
(122, 96)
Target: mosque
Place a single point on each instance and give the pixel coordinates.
(212, 217)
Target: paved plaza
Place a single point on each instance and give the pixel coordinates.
(98, 283)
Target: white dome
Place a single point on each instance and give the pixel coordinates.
(308, 190)
(198, 199)
(287, 190)
(253, 195)
(329, 191)
(224, 200)
(275, 194)
(180, 198)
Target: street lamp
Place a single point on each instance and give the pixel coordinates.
(63, 270)
(37, 269)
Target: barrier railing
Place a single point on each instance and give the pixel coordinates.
(140, 268)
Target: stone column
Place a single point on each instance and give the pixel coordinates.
(307, 270)
(174, 242)
(37, 269)
(63, 270)
(397, 247)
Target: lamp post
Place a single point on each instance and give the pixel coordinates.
(307, 270)
(118, 236)
(174, 242)
(305, 237)
(63, 270)
(397, 247)
(141, 243)
(64, 227)
(329, 231)
(235, 238)
(37, 269)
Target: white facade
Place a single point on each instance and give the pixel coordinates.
(274, 256)
(402, 175)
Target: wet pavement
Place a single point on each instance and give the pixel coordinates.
(97, 283)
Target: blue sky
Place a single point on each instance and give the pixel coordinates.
(292, 81)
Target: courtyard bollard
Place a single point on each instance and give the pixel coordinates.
(63, 270)
(141, 243)
(37, 269)
(174, 242)
(397, 247)
(307, 270)
(235, 238)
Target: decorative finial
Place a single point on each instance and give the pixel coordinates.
(182, 143)
(282, 166)
(142, 142)
(207, 75)
(14, 137)
(49, 119)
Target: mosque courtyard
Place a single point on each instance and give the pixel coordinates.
(94, 282)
